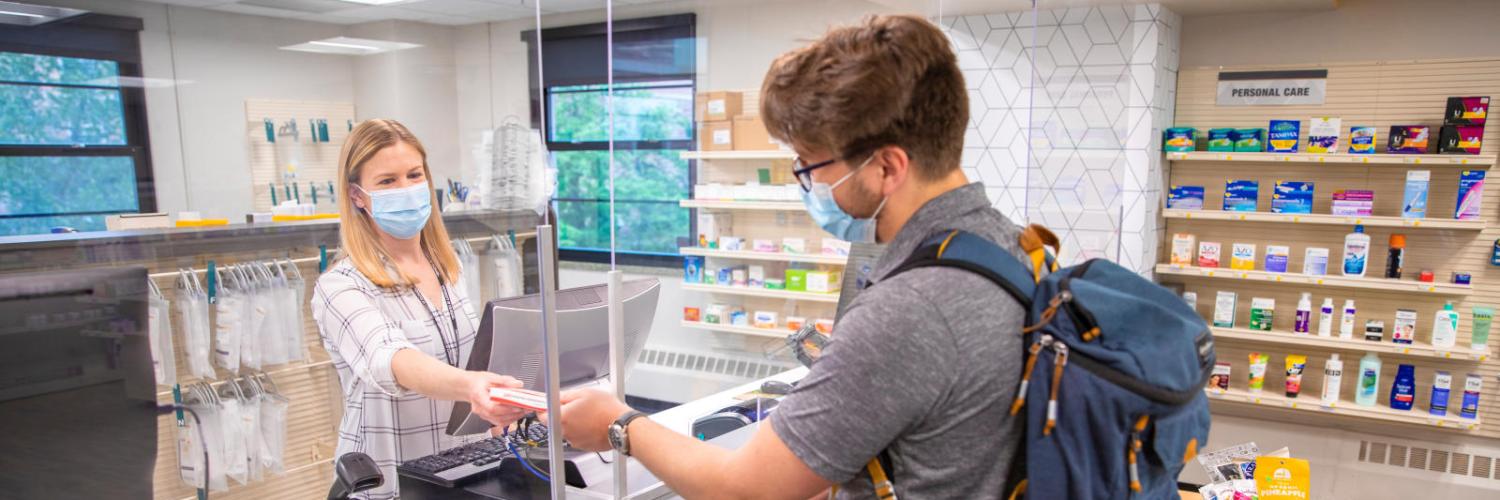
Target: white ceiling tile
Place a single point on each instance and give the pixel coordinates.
(453, 7)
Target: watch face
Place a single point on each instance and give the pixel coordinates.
(616, 438)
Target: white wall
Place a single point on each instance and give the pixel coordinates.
(416, 86)
(1357, 30)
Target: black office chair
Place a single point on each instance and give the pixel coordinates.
(354, 472)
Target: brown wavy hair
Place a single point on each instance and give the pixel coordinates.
(888, 81)
(358, 237)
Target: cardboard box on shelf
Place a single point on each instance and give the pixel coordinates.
(716, 136)
(719, 105)
(750, 135)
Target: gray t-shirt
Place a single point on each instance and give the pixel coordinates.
(925, 363)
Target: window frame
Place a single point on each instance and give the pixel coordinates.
(541, 105)
(73, 38)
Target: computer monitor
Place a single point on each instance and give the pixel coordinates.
(77, 393)
(510, 339)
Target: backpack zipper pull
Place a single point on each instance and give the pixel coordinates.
(1057, 370)
(1135, 449)
(1036, 348)
(1049, 312)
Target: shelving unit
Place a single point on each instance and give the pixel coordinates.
(1358, 344)
(792, 206)
(743, 330)
(833, 260)
(738, 155)
(1305, 279)
(1339, 220)
(1337, 158)
(1311, 403)
(746, 291)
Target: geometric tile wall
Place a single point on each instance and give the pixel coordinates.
(1066, 112)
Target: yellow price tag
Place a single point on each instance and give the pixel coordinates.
(1228, 157)
(1417, 160)
(1365, 160)
(1321, 159)
(1296, 218)
(1209, 273)
(1405, 350)
(1244, 276)
(1432, 289)
(1278, 279)
(1188, 215)
(1256, 400)
(1241, 217)
(1292, 404)
(1438, 423)
(1359, 221)
(1318, 281)
(1416, 223)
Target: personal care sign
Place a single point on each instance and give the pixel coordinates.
(1272, 88)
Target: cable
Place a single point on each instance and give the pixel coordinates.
(197, 424)
(526, 463)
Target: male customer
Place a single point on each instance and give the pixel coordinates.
(924, 364)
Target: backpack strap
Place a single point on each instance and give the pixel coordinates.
(975, 254)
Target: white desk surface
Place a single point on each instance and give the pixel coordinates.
(680, 419)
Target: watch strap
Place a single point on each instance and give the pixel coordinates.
(623, 424)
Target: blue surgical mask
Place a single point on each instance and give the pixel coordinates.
(400, 212)
(825, 211)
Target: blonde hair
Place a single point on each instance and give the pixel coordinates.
(358, 237)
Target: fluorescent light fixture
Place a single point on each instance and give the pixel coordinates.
(349, 46)
(23, 14)
(374, 2)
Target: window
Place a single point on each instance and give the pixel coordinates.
(71, 134)
(653, 101)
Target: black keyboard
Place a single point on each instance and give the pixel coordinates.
(453, 467)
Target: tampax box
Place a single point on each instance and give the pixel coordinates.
(1361, 140)
(1221, 139)
(1285, 135)
(1249, 140)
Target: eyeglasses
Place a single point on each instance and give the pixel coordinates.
(803, 172)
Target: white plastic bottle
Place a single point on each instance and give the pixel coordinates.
(1356, 252)
(1304, 314)
(1325, 318)
(1346, 321)
(1445, 327)
(1368, 385)
(1333, 376)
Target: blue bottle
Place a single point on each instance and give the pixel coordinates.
(1404, 388)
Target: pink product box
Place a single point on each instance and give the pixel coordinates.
(1353, 202)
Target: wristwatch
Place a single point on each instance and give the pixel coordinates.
(618, 438)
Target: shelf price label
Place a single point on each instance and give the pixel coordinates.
(1365, 160)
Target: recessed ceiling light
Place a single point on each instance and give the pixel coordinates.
(31, 15)
(374, 2)
(350, 46)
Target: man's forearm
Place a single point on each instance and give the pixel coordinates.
(691, 468)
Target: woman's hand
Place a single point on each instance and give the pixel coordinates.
(586, 417)
(480, 403)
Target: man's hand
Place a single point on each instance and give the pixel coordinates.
(480, 403)
(586, 416)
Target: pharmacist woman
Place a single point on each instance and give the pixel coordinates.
(390, 311)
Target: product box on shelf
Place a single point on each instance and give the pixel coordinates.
(1323, 135)
(1277, 257)
(725, 276)
(731, 243)
(1185, 198)
(691, 314)
(1182, 249)
(823, 326)
(1178, 139)
(692, 269)
(768, 246)
(1292, 197)
(1460, 139)
(796, 280)
(775, 284)
(750, 135)
(1224, 304)
(1470, 192)
(714, 314)
(823, 281)
(835, 246)
(1249, 140)
(764, 319)
(793, 245)
(1408, 139)
(1414, 201)
(719, 105)
(1358, 202)
(756, 277)
(1466, 110)
(1241, 195)
(795, 323)
(710, 227)
(1242, 257)
(1361, 140)
(737, 317)
(1221, 139)
(716, 136)
(1284, 136)
(739, 276)
(1208, 254)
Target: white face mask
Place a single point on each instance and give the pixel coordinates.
(400, 212)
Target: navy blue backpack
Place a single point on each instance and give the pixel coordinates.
(1114, 372)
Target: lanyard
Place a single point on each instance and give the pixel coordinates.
(447, 348)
